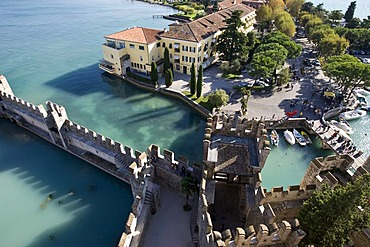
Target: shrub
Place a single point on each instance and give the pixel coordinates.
(218, 98)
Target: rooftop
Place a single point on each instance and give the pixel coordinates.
(204, 27)
(136, 34)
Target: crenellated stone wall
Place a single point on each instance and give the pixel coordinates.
(279, 195)
(132, 166)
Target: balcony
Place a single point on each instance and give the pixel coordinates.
(106, 66)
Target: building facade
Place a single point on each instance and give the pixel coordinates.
(136, 48)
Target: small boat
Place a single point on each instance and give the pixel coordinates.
(366, 108)
(299, 138)
(361, 91)
(306, 137)
(350, 115)
(362, 99)
(289, 137)
(274, 138)
(344, 125)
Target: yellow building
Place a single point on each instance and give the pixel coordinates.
(194, 42)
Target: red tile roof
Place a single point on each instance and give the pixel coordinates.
(204, 27)
(136, 34)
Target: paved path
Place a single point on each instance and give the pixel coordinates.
(170, 226)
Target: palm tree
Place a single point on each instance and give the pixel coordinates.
(188, 187)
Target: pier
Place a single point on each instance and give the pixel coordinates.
(158, 16)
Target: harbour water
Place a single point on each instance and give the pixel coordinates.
(49, 51)
(362, 6)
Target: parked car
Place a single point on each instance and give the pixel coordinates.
(260, 83)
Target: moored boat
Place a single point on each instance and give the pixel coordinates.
(350, 115)
(274, 138)
(344, 125)
(299, 138)
(306, 137)
(362, 91)
(366, 108)
(362, 99)
(289, 137)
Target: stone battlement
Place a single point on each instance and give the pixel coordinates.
(13, 101)
(278, 194)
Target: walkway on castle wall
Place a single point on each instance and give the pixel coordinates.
(170, 226)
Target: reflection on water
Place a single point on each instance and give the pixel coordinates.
(286, 164)
(48, 196)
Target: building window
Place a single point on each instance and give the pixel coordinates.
(121, 45)
(132, 46)
(141, 47)
(111, 43)
(176, 47)
(199, 48)
(111, 56)
(141, 66)
(132, 64)
(163, 44)
(170, 46)
(177, 66)
(159, 44)
(185, 48)
(192, 59)
(192, 49)
(170, 56)
(141, 58)
(159, 55)
(182, 58)
(152, 58)
(144, 67)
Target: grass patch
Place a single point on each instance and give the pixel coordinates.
(231, 76)
(203, 101)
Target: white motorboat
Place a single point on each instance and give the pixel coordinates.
(361, 91)
(343, 125)
(350, 115)
(289, 137)
(299, 138)
(362, 99)
(366, 108)
(274, 138)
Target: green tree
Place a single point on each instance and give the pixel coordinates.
(188, 187)
(320, 32)
(154, 74)
(215, 6)
(348, 71)
(277, 6)
(206, 3)
(308, 7)
(168, 77)
(264, 18)
(354, 23)
(366, 22)
(294, 7)
(192, 79)
(166, 62)
(200, 81)
(330, 215)
(218, 98)
(262, 65)
(284, 76)
(350, 11)
(311, 24)
(294, 50)
(276, 52)
(232, 41)
(244, 101)
(335, 16)
(285, 24)
(333, 44)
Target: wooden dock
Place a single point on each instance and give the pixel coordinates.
(325, 134)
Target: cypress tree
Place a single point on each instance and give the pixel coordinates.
(348, 16)
(154, 74)
(168, 77)
(166, 62)
(200, 81)
(192, 79)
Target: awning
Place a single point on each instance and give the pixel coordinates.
(329, 94)
(106, 62)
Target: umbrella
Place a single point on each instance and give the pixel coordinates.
(329, 94)
(291, 113)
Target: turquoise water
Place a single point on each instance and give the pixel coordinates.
(49, 51)
(88, 207)
(287, 164)
(362, 8)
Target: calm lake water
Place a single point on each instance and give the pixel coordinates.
(49, 51)
(362, 6)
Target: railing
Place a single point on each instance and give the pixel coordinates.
(106, 68)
